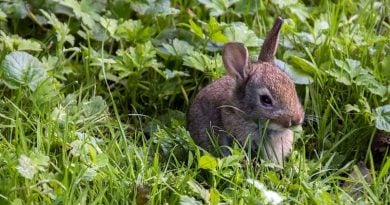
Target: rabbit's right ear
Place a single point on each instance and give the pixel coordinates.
(235, 58)
(268, 50)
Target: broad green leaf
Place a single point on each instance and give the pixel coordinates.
(77, 148)
(340, 76)
(284, 3)
(294, 7)
(187, 200)
(62, 29)
(305, 65)
(134, 31)
(299, 10)
(154, 7)
(15, 9)
(111, 25)
(89, 174)
(239, 32)
(26, 168)
(29, 166)
(47, 94)
(199, 190)
(86, 10)
(270, 196)
(218, 7)
(247, 7)
(40, 161)
(382, 118)
(197, 60)
(3, 16)
(298, 76)
(230, 161)
(18, 43)
(214, 31)
(219, 37)
(27, 45)
(22, 69)
(351, 72)
(205, 63)
(17, 201)
(177, 48)
(136, 60)
(196, 29)
(351, 108)
(169, 74)
(207, 162)
(385, 66)
(214, 196)
(101, 160)
(95, 106)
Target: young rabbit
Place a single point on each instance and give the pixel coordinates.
(253, 97)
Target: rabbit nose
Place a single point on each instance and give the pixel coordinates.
(296, 120)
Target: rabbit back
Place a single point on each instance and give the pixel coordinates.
(204, 117)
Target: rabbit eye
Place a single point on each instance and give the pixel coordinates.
(265, 100)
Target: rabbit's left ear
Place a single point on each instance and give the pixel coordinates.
(235, 58)
(268, 50)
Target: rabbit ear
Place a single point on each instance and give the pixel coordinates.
(235, 58)
(267, 53)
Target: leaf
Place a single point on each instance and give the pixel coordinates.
(351, 72)
(94, 107)
(305, 65)
(17, 43)
(214, 196)
(62, 29)
(270, 196)
(178, 48)
(111, 25)
(26, 167)
(102, 160)
(207, 162)
(239, 32)
(47, 94)
(196, 29)
(16, 8)
(295, 7)
(351, 108)
(154, 8)
(40, 161)
(187, 200)
(134, 31)
(22, 69)
(86, 10)
(382, 118)
(89, 174)
(27, 45)
(218, 7)
(143, 56)
(214, 31)
(298, 76)
(199, 190)
(17, 201)
(172, 74)
(204, 63)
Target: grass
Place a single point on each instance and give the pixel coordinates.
(97, 113)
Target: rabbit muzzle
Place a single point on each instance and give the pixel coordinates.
(290, 120)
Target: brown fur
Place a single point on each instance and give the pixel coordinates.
(231, 107)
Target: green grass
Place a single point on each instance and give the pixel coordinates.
(95, 114)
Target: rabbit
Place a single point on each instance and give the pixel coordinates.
(252, 97)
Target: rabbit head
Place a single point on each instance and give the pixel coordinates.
(262, 91)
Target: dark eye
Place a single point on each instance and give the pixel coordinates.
(265, 100)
